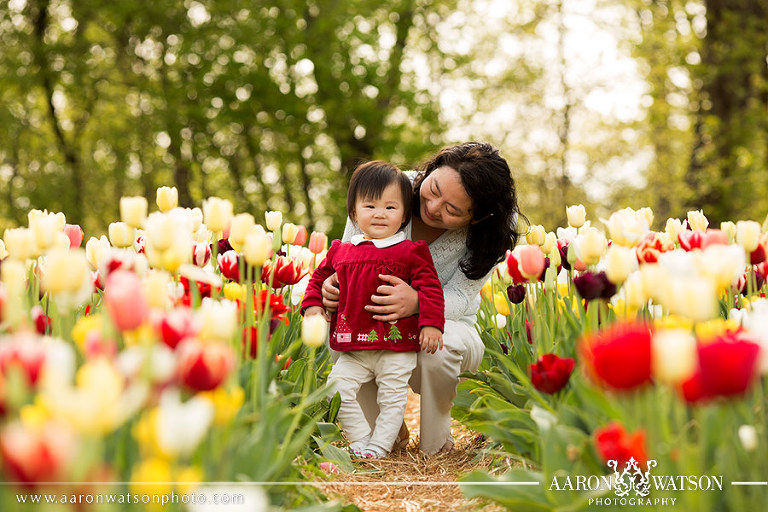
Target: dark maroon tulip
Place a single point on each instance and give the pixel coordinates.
(516, 293)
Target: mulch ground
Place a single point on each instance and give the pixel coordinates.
(426, 480)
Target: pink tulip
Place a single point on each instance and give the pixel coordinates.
(204, 366)
(124, 297)
(318, 241)
(530, 261)
(715, 236)
(301, 236)
(75, 234)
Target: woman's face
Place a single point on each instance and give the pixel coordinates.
(444, 203)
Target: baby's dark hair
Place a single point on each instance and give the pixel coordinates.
(369, 181)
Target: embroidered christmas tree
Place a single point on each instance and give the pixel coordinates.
(343, 332)
(394, 334)
(373, 336)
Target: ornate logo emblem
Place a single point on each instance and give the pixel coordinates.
(632, 478)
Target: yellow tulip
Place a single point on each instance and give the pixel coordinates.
(536, 235)
(290, 231)
(217, 213)
(257, 247)
(133, 210)
(274, 220)
(20, 243)
(234, 291)
(240, 226)
(500, 303)
(708, 331)
(151, 470)
(697, 220)
(673, 355)
(577, 215)
(167, 198)
(673, 228)
(121, 234)
(748, 234)
(226, 403)
(314, 330)
(85, 325)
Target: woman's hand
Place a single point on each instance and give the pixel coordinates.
(394, 300)
(330, 291)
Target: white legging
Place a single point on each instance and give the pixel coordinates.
(435, 379)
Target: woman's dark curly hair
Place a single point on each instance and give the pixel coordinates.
(488, 181)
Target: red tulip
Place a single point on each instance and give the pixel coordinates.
(288, 271)
(550, 374)
(619, 357)
(41, 320)
(201, 254)
(759, 254)
(690, 240)
(177, 325)
(727, 367)
(24, 352)
(301, 236)
(124, 297)
(204, 366)
(276, 306)
(615, 443)
(513, 267)
(229, 265)
(651, 247)
(35, 454)
(75, 234)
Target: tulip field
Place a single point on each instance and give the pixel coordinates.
(165, 365)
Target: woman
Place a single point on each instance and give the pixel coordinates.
(465, 209)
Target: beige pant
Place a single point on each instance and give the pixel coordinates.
(389, 371)
(435, 379)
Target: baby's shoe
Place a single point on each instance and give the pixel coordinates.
(372, 453)
(356, 449)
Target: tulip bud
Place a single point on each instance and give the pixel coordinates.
(627, 227)
(748, 437)
(20, 243)
(691, 297)
(124, 298)
(729, 228)
(673, 228)
(577, 215)
(620, 262)
(120, 234)
(314, 330)
(673, 355)
(217, 213)
(301, 235)
(697, 220)
(500, 303)
(167, 198)
(318, 242)
(590, 245)
(133, 210)
(550, 242)
(156, 284)
(516, 293)
(748, 234)
(633, 291)
(44, 228)
(160, 231)
(274, 220)
(75, 234)
(201, 254)
(536, 235)
(530, 261)
(240, 226)
(289, 232)
(257, 248)
(218, 319)
(647, 213)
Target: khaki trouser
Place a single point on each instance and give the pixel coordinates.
(435, 379)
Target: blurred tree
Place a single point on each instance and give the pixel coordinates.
(269, 104)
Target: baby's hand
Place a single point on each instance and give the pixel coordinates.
(315, 310)
(431, 339)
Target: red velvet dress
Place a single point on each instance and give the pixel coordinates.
(358, 268)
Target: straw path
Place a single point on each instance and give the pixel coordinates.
(410, 465)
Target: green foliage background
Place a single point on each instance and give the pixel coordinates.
(272, 103)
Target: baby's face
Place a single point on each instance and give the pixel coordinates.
(382, 217)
